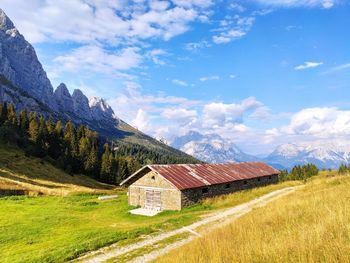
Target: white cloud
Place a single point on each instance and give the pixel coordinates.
(320, 122)
(191, 3)
(141, 121)
(308, 65)
(218, 113)
(180, 115)
(156, 54)
(96, 59)
(232, 28)
(228, 36)
(214, 77)
(299, 3)
(232, 76)
(88, 21)
(195, 46)
(180, 82)
(237, 7)
(312, 124)
(338, 68)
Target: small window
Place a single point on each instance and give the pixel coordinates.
(227, 186)
(204, 190)
(245, 182)
(270, 177)
(259, 179)
(153, 177)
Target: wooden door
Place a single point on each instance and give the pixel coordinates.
(153, 200)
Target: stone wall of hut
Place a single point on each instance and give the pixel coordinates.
(192, 196)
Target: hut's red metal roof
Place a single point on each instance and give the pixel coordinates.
(186, 176)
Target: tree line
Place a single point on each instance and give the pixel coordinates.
(299, 172)
(344, 169)
(75, 149)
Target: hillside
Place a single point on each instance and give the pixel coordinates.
(309, 225)
(24, 83)
(34, 176)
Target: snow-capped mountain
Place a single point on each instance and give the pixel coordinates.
(210, 148)
(322, 154)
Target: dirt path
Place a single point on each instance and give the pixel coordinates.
(222, 217)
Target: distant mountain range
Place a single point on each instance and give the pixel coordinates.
(324, 155)
(24, 83)
(214, 149)
(211, 148)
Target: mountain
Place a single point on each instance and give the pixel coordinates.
(211, 148)
(24, 83)
(322, 154)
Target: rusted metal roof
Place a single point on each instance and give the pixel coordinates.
(186, 176)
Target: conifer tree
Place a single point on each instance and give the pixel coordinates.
(23, 123)
(11, 116)
(92, 163)
(33, 130)
(106, 166)
(3, 113)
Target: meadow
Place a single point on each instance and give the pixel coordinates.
(59, 228)
(310, 225)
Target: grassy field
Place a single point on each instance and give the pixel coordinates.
(309, 225)
(34, 175)
(58, 228)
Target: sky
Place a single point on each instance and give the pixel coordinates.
(259, 73)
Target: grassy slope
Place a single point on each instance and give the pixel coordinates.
(20, 172)
(310, 225)
(54, 229)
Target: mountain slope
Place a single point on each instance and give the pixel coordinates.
(30, 175)
(211, 148)
(24, 83)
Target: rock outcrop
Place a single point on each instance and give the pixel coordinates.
(100, 109)
(81, 105)
(20, 65)
(63, 98)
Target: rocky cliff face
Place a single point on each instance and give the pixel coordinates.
(81, 105)
(63, 98)
(20, 65)
(25, 83)
(100, 109)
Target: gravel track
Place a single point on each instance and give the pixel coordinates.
(220, 217)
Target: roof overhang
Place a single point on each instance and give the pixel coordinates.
(135, 176)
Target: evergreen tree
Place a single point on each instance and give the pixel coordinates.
(23, 123)
(3, 113)
(33, 130)
(343, 169)
(11, 116)
(105, 165)
(92, 163)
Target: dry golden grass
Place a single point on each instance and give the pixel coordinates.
(309, 225)
(33, 175)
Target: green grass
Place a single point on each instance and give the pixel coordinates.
(55, 229)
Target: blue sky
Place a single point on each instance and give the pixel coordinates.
(257, 72)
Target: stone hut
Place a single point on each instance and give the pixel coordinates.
(172, 187)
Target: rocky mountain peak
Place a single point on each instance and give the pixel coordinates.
(211, 148)
(100, 109)
(5, 22)
(20, 64)
(63, 98)
(81, 105)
